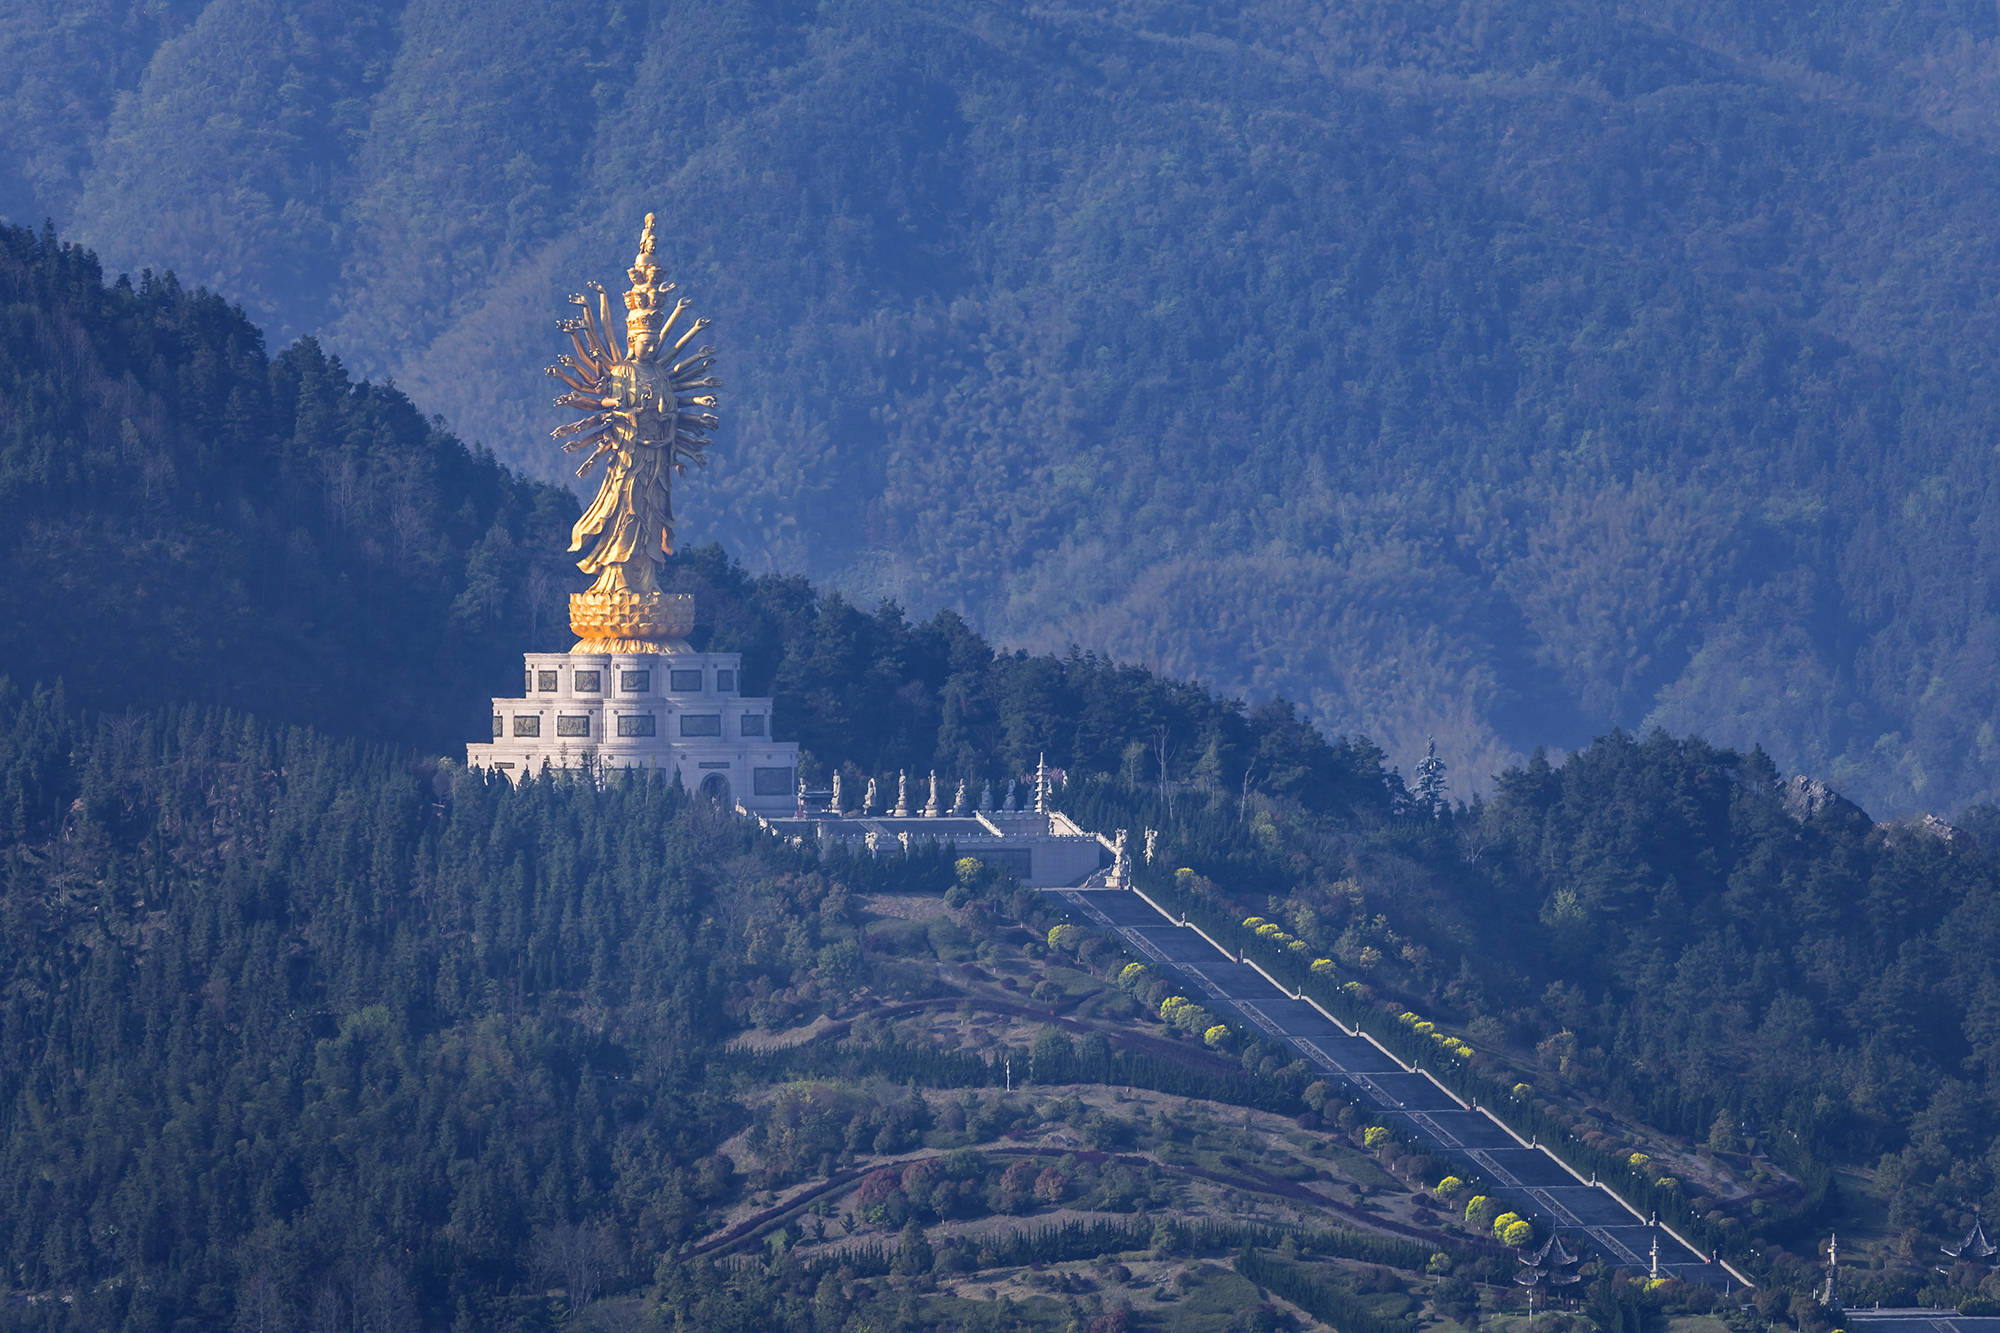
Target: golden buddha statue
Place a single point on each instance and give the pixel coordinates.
(649, 419)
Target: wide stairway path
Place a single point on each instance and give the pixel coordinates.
(1532, 1181)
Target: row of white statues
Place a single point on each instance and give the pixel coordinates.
(933, 807)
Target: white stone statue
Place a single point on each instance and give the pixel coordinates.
(902, 793)
(1012, 804)
(931, 805)
(986, 794)
(868, 798)
(836, 792)
(958, 801)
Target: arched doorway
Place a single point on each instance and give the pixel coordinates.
(714, 789)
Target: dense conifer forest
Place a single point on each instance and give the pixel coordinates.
(196, 520)
(1501, 373)
(303, 1027)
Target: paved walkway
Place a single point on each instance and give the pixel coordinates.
(1921, 1321)
(1535, 1183)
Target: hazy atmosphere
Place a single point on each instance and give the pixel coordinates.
(1144, 668)
(1502, 373)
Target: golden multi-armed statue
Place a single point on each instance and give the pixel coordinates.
(650, 418)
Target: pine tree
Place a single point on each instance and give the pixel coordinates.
(1432, 789)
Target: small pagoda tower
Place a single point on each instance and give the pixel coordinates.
(1975, 1248)
(1551, 1268)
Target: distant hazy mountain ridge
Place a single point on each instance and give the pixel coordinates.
(1498, 373)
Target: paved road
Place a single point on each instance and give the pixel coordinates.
(1534, 1183)
(1921, 1321)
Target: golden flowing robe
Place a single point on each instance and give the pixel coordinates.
(632, 518)
(649, 420)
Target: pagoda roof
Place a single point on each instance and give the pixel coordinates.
(1975, 1245)
(1552, 1254)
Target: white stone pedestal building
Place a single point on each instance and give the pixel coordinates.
(677, 711)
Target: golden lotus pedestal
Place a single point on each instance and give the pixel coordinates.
(630, 622)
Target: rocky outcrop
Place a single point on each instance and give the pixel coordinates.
(1930, 826)
(1926, 826)
(1807, 799)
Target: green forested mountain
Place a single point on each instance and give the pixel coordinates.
(193, 519)
(1671, 951)
(1494, 372)
(299, 1029)
(1720, 944)
(200, 522)
(296, 1037)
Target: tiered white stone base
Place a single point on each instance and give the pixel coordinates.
(668, 711)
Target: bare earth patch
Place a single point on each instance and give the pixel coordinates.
(905, 907)
(754, 1040)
